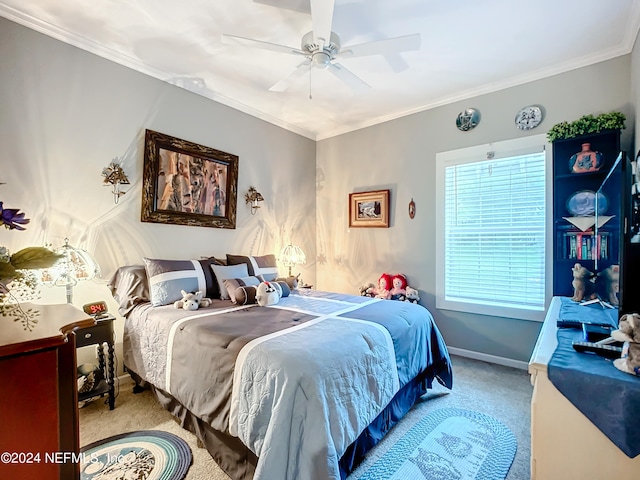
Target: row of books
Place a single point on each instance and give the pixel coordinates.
(585, 246)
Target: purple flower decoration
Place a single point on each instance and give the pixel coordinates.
(11, 219)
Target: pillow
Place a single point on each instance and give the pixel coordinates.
(246, 295)
(232, 285)
(167, 278)
(265, 265)
(225, 272)
(129, 287)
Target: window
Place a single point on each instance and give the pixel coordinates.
(491, 223)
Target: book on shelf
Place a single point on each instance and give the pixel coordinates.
(585, 245)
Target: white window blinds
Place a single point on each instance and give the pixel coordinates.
(493, 233)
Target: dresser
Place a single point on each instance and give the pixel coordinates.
(565, 445)
(39, 436)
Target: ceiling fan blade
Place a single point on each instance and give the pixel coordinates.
(348, 77)
(383, 47)
(286, 82)
(250, 42)
(321, 20)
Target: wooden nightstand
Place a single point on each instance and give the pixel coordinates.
(99, 334)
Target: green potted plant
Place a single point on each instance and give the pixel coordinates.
(586, 125)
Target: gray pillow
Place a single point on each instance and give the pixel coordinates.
(226, 272)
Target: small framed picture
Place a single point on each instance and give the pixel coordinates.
(369, 209)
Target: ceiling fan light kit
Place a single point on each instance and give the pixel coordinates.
(321, 54)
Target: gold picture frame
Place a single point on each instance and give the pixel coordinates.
(188, 184)
(369, 209)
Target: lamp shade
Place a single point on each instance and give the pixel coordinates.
(75, 265)
(291, 256)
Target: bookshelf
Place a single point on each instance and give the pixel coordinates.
(577, 174)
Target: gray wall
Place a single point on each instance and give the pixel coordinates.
(65, 114)
(400, 155)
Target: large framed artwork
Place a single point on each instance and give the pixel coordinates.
(369, 209)
(188, 184)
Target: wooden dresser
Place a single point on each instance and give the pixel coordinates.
(39, 437)
(564, 443)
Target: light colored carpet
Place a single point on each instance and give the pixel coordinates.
(501, 392)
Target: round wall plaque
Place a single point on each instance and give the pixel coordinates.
(468, 119)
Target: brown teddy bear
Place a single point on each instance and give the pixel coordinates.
(581, 283)
(609, 278)
(629, 333)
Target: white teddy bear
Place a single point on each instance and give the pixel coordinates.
(192, 300)
(412, 295)
(268, 293)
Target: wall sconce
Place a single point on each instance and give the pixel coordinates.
(252, 197)
(114, 175)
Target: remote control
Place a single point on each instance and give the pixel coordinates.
(604, 350)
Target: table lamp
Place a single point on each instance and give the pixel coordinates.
(76, 265)
(292, 255)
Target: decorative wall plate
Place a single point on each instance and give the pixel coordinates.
(583, 203)
(468, 119)
(529, 117)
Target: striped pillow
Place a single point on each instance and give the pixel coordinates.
(264, 266)
(167, 278)
(232, 285)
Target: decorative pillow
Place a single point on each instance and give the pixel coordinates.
(232, 285)
(246, 295)
(167, 278)
(265, 265)
(226, 272)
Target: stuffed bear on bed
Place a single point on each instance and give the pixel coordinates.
(192, 300)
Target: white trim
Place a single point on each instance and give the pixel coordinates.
(485, 357)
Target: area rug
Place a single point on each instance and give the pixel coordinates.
(142, 455)
(448, 444)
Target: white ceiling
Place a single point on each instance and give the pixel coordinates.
(468, 47)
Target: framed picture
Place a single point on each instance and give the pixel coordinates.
(188, 184)
(369, 209)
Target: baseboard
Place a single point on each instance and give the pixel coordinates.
(124, 379)
(485, 357)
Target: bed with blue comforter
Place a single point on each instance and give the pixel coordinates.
(300, 390)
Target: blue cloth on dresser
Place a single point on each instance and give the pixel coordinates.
(574, 314)
(609, 398)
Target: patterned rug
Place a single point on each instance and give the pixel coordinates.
(143, 455)
(448, 444)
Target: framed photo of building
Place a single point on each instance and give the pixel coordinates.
(369, 209)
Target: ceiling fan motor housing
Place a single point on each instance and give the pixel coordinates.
(321, 55)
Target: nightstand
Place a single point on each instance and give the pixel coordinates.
(99, 334)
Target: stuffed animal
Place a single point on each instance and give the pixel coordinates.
(368, 290)
(608, 284)
(629, 333)
(268, 293)
(398, 292)
(581, 282)
(291, 281)
(192, 300)
(412, 295)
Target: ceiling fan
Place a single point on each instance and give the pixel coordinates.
(321, 47)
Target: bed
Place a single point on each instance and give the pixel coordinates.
(298, 390)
